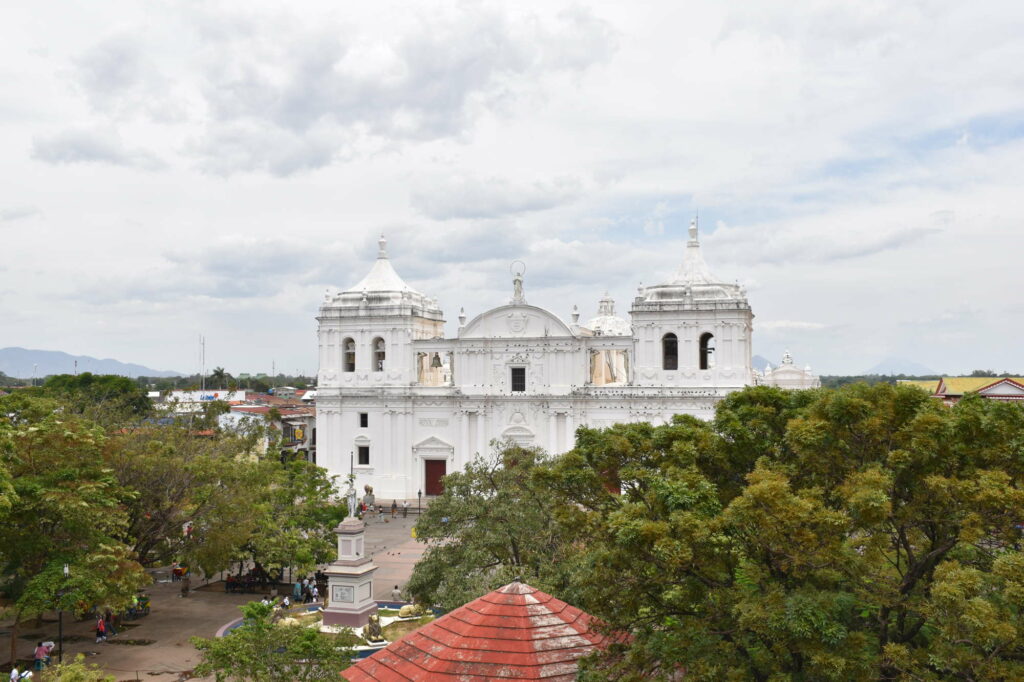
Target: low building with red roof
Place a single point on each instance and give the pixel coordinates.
(515, 632)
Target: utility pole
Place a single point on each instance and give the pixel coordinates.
(202, 364)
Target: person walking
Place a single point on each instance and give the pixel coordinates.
(42, 656)
(394, 508)
(316, 592)
(405, 509)
(108, 619)
(101, 630)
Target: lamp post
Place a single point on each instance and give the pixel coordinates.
(60, 617)
(419, 503)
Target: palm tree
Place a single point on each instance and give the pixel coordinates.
(218, 377)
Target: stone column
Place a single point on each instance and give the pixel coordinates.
(350, 578)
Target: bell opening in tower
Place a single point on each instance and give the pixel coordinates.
(669, 352)
(707, 350)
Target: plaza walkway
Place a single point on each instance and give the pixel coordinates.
(174, 620)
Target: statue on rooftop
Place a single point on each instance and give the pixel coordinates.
(518, 269)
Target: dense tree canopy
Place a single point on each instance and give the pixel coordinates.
(260, 650)
(868, 533)
(62, 506)
(490, 527)
(103, 398)
(109, 495)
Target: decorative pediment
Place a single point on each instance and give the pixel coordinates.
(520, 435)
(1004, 387)
(515, 321)
(433, 443)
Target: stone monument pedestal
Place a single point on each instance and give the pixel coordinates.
(350, 578)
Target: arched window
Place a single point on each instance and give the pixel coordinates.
(349, 352)
(669, 352)
(378, 354)
(707, 350)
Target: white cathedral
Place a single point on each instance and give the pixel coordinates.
(402, 405)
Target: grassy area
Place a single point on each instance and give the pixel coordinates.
(348, 638)
(387, 612)
(404, 627)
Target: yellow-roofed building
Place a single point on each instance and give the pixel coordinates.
(927, 384)
(951, 389)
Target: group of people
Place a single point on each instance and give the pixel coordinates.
(105, 626)
(379, 509)
(308, 591)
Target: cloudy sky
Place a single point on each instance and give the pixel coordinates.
(170, 168)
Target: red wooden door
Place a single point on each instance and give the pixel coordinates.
(435, 471)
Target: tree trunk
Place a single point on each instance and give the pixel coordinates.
(14, 638)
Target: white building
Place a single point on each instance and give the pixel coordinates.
(788, 375)
(408, 405)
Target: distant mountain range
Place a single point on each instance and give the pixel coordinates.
(901, 366)
(24, 363)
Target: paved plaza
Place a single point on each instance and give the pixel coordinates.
(174, 620)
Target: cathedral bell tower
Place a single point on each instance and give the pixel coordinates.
(694, 330)
(367, 367)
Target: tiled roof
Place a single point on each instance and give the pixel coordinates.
(927, 384)
(961, 385)
(516, 632)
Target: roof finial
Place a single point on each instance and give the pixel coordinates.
(382, 243)
(693, 228)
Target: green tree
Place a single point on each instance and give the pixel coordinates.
(211, 483)
(104, 398)
(490, 526)
(853, 550)
(261, 651)
(66, 508)
(294, 516)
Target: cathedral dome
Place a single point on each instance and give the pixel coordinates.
(693, 281)
(607, 323)
(382, 287)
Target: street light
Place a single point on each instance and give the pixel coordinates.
(60, 616)
(419, 503)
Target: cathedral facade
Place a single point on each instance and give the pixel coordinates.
(401, 405)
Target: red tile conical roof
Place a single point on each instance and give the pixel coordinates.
(516, 632)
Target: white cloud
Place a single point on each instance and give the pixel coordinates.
(9, 215)
(789, 325)
(92, 146)
(860, 164)
(472, 197)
